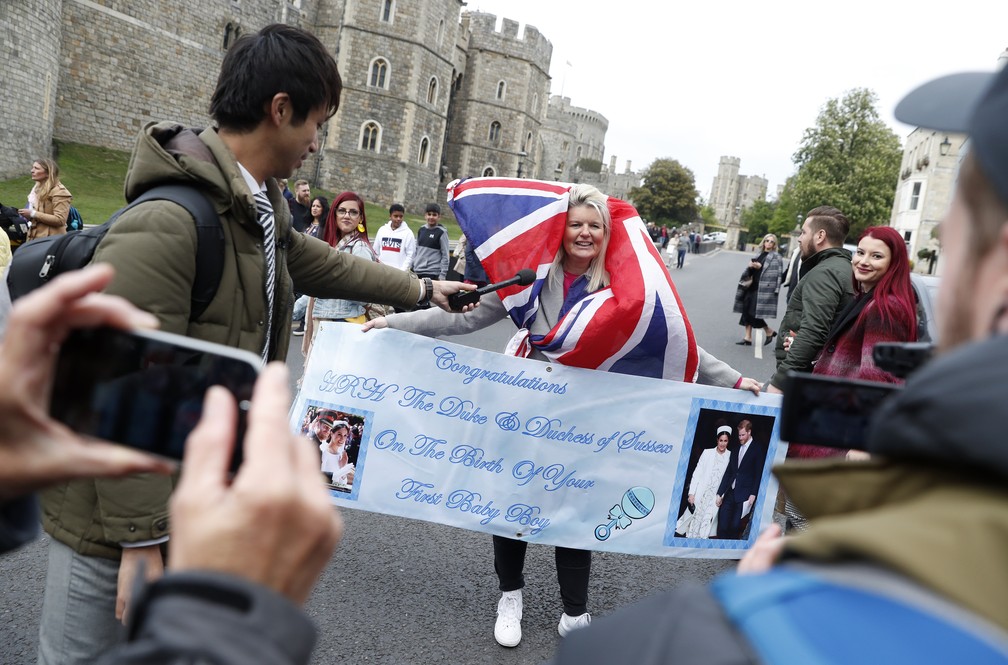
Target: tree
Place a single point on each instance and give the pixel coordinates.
(756, 219)
(849, 160)
(668, 195)
(709, 217)
(589, 165)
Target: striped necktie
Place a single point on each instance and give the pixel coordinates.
(265, 210)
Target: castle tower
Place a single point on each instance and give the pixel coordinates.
(570, 134)
(500, 101)
(395, 59)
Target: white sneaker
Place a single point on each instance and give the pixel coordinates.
(569, 623)
(507, 631)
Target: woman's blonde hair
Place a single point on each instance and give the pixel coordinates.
(45, 187)
(587, 195)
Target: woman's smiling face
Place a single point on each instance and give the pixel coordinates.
(583, 236)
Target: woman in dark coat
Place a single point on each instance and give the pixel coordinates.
(756, 297)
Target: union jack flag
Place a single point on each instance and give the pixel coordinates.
(636, 325)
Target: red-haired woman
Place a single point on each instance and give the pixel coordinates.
(883, 310)
(346, 230)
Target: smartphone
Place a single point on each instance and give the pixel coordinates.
(145, 389)
(829, 411)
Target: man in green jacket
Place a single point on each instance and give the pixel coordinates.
(275, 90)
(824, 288)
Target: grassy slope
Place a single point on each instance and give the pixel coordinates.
(95, 178)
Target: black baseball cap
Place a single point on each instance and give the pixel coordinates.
(974, 103)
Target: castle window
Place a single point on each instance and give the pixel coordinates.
(440, 32)
(379, 77)
(501, 89)
(370, 136)
(535, 103)
(495, 132)
(432, 91)
(424, 149)
(387, 11)
(489, 172)
(527, 142)
(232, 31)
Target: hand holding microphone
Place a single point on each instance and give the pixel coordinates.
(463, 298)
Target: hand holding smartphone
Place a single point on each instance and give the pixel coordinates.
(145, 389)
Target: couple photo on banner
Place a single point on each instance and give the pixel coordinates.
(601, 299)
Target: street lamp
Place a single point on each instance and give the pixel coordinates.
(521, 160)
(944, 147)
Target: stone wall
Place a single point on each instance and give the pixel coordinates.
(30, 83)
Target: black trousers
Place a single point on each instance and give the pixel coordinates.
(573, 569)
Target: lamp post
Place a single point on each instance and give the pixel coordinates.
(521, 161)
(944, 147)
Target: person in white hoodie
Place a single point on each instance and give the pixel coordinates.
(394, 243)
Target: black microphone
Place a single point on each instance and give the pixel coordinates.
(459, 300)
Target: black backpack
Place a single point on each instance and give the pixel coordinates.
(38, 261)
(74, 221)
(14, 225)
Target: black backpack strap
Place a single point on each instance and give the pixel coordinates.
(209, 239)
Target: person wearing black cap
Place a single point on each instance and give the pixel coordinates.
(904, 560)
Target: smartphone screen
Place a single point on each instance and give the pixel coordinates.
(827, 411)
(145, 389)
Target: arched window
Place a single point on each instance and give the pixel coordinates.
(432, 91)
(379, 77)
(489, 172)
(440, 32)
(501, 89)
(535, 103)
(424, 149)
(387, 11)
(527, 142)
(370, 136)
(232, 31)
(495, 132)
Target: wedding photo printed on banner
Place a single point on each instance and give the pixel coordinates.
(724, 486)
(338, 433)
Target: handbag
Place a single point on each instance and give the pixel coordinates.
(745, 282)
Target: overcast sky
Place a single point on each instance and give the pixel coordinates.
(697, 80)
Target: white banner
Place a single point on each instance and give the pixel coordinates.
(431, 430)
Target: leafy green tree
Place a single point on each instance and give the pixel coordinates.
(756, 218)
(668, 195)
(709, 217)
(849, 160)
(589, 165)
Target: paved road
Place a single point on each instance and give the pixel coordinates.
(403, 591)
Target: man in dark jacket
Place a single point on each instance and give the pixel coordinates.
(266, 125)
(824, 289)
(904, 558)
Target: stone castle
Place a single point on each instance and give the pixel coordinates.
(431, 92)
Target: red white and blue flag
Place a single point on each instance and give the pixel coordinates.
(636, 325)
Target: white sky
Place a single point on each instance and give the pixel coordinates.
(697, 80)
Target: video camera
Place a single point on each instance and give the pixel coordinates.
(834, 412)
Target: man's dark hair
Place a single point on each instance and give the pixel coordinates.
(433, 207)
(831, 220)
(278, 58)
(396, 207)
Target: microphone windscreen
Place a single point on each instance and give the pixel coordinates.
(526, 276)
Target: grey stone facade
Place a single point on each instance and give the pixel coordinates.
(98, 70)
(732, 193)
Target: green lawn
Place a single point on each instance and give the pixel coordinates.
(95, 178)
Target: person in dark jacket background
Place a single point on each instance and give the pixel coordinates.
(823, 290)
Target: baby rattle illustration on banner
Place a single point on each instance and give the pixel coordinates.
(636, 504)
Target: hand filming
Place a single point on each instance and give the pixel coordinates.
(273, 523)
